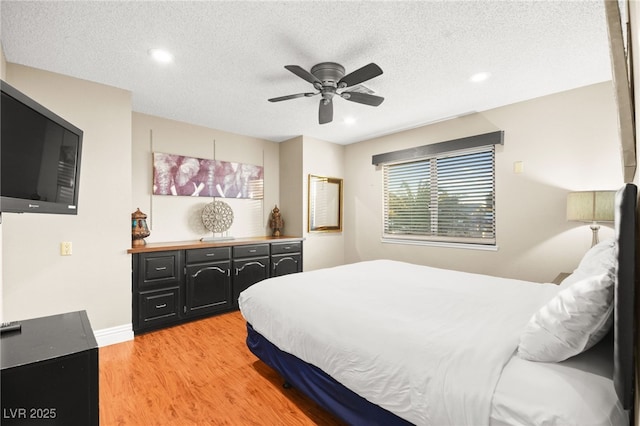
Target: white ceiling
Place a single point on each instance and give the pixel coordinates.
(230, 56)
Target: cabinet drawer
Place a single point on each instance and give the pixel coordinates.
(251, 251)
(158, 306)
(211, 254)
(284, 248)
(160, 268)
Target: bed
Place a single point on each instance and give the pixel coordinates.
(392, 343)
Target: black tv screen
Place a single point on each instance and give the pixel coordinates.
(39, 155)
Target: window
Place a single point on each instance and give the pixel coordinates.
(446, 197)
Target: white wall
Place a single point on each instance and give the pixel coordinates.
(178, 218)
(36, 280)
(567, 141)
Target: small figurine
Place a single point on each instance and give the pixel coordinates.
(276, 223)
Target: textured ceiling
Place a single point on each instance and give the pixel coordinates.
(230, 56)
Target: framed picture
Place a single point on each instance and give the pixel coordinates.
(325, 204)
(197, 177)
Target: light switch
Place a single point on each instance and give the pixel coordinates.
(66, 248)
(518, 167)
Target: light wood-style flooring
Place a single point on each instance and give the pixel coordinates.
(200, 373)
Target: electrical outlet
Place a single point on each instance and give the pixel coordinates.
(66, 248)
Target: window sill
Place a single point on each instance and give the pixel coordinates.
(440, 244)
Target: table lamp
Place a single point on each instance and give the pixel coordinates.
(591, 206)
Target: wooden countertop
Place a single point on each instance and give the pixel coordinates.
(195, 244)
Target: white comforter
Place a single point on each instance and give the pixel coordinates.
(426, 344)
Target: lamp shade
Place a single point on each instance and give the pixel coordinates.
(591, 206)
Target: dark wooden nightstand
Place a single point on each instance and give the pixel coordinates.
(50, 372)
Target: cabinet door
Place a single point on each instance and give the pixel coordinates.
(248, 272)
(208, 288)
(286, 264)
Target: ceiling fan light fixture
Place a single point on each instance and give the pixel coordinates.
(160, 55)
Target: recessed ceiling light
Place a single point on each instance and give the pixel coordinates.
(161, 55)
(481, 76)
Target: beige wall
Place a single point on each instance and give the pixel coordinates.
(3, 69)
(291, 188)
(567, 141)
(179, 218)
(3, 63)
(300, 157)
(36, 280)
(321, 158)
(634, 19)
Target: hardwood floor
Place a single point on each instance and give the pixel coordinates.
(200, 373)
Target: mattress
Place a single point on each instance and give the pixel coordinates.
(575, 392)
(426, 344)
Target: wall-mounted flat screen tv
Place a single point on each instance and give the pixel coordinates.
(39, 157)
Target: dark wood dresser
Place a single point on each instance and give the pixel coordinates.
(177, 282)
(50, 372)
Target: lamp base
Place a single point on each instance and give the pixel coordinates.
(594, 228)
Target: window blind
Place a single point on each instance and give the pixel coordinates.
(448, 197)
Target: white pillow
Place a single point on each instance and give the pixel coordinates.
(570, 323)
(603, 257)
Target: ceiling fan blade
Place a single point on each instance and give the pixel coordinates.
(360, 75)
(362, 98)
(325, 113)
(297, 95)
(304, 74)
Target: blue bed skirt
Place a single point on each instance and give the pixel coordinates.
(320, 387)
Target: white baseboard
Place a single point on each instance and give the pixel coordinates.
(113, 335)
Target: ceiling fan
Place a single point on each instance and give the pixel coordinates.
(328, 79)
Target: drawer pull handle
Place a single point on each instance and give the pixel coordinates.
(253, 251)
(164, 305)
(164, 268)
(287, 248)
(210, 254)
(212, 268)
(238, 270)
(282, 259)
